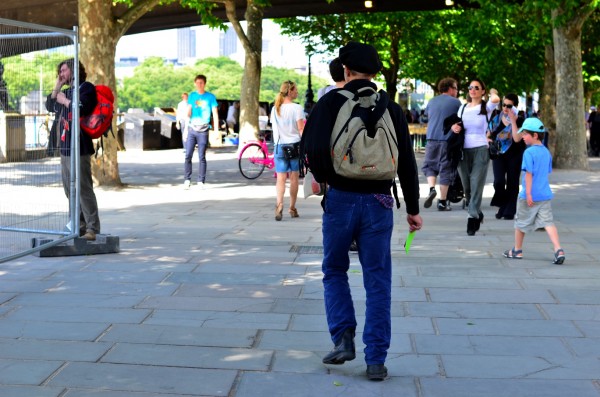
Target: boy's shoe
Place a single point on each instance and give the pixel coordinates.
(444, 206)
(429, 199)
(187, 184)
(559, 257)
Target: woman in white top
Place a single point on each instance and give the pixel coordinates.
(287, 120)
(474, 164)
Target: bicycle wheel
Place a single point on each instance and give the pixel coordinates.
(252, 161)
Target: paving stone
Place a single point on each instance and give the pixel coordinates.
(145, 378)
(26, 372)
(212, 319)
(353, 384)
(28, 391)
(189, 356)
(498, 327)
(32, 349)
(474, 310)
(9, 328)
(435, 387)
(79, 314)
(255, 305)
(180, 335)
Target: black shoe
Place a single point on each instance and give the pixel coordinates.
(472, 226)
(354, 246)
(376, 372)
(444, 205)
(343, 351)
(429, 199)
(498, 215)
(480, 221)
(509, 217)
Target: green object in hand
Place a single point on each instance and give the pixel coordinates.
(409, 240)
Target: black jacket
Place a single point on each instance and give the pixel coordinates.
(315, 147)
(87, 103)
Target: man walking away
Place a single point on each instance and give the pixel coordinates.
(361, 210)
(436, 162)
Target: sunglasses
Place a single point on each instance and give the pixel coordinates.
(474, 88)
(507, 105)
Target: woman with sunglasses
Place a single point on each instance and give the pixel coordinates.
(287, 120)
(507, 166)
(473, 166)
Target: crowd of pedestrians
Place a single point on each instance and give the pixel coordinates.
(357, 211)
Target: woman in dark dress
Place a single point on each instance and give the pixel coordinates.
(507, 167)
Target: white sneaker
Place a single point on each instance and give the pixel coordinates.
(201, 185)
(187, 184)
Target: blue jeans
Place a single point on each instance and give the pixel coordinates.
(362, 217)
(200, 138)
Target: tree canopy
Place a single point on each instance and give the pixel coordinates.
(159, 84)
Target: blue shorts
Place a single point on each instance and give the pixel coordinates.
(284, 165)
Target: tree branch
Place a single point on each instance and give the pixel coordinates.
(230, 11)
(133, 13)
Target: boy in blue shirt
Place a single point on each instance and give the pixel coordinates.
(533, 208)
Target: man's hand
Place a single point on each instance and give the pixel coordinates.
(414, 222)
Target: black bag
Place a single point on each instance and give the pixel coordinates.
(495, 149)
(455, 190)
(455, 141)
(291, 151)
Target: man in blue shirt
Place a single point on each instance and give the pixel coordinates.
(201, 105)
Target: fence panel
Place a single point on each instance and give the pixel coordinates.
(32, 197)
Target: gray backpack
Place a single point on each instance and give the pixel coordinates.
(363, 142)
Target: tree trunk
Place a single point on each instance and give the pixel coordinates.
(99, 33)
(570, 151)
(547, 105)
(250, 89)
(391, 74)
(98, 42)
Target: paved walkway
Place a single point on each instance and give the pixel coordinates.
(211, 297)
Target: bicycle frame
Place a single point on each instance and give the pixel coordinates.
(268, 161)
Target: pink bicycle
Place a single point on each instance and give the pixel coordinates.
(255, 157)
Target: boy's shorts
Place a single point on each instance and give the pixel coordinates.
(531, 218)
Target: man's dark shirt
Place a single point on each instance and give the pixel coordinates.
(316, 145)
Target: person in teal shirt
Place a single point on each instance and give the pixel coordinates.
(201, 106)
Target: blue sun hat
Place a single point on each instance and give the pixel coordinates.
(532, 124)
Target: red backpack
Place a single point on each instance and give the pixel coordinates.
(100, 120)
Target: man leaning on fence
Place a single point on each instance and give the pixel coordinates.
(60, 102)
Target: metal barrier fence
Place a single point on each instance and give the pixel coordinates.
(32, 197)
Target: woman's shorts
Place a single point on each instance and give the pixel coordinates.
(531, 218)
(284, 165)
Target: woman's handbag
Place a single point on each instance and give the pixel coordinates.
(291, 151)
(495, 149)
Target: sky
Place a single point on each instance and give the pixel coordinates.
(161, 43)
(164, 44)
